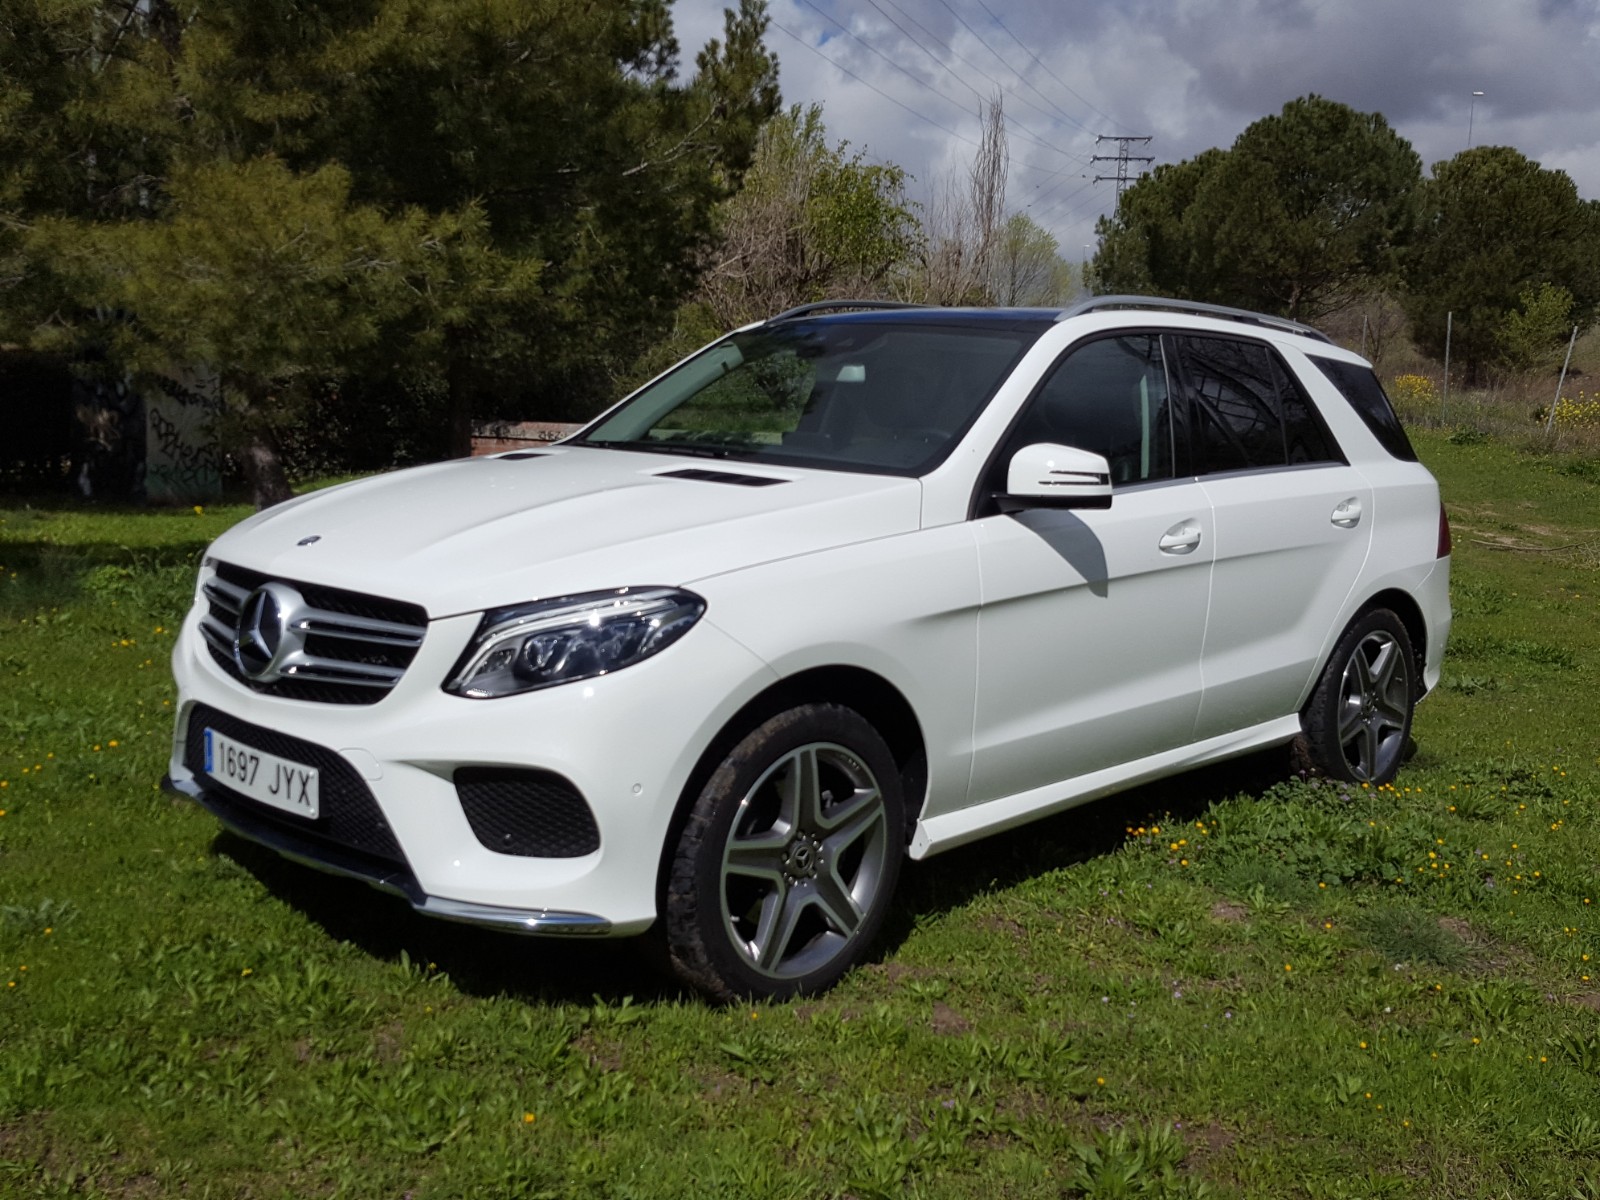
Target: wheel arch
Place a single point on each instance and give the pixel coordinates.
(1403, 605)
(882, 704)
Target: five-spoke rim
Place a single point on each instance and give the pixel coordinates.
(804, 861)
(1374, 704)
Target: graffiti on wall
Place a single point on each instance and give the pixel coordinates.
(183, 460)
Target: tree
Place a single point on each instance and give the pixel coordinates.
(810, 221)
(1026, 266)
(1495, 227)
(1304, 208)
(1148, 244)
(274, 279)
(1531, 335)
(566, 125)
(532, 170)
(964, 224)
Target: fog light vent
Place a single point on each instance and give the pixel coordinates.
(533, 814)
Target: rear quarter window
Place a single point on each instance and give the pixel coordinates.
(1361, 389)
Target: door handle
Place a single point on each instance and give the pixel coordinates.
(1347, 513)
(1182, 538)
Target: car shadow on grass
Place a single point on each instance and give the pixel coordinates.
(483, 962)
(1089, 831)
(480, 962)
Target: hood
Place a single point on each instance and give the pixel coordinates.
(478, 533)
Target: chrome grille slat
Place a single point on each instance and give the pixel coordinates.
(356, 647)
(333, 670)
(215, 632)
(362, 629)
(220, 590)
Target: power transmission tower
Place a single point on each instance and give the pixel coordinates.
(1122, 158)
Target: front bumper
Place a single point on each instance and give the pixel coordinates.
(386, 877)
(628, 742)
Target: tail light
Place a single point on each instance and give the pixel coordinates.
(1444, 534)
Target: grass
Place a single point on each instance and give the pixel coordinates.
(1227, 985)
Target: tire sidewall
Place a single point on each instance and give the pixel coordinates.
(698, 939)
(1320, 719)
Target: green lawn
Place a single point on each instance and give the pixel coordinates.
(1227, 985)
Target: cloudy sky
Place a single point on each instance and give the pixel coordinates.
(901, 79)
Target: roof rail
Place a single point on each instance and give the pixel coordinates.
(1097, 303)
(805, 310)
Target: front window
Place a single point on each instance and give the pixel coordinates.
(860, 395)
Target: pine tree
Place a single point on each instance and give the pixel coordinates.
(463, 195)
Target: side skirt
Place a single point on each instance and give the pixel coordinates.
(949, 830)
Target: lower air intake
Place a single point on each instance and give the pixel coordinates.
(532, 814)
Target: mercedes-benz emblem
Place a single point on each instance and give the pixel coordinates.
(269, 636)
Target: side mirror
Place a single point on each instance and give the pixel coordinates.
(1051, 476)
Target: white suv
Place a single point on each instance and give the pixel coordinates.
(857, 582)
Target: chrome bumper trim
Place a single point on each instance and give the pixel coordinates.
(396, 880)
(517, 920)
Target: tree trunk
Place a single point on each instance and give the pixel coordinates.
(263, 470)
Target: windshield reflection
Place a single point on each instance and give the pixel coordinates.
(863, 396)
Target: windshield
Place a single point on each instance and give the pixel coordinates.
(850, 395)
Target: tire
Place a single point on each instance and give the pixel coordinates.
(1358, 721)
(784, 871)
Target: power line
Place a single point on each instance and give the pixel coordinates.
(1043, 67)
(1051, 209)
(834, 63)
(1025, 134)
(1000, 58)
(850, 33)
(1059, 114)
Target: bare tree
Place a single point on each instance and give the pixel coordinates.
(964, 224)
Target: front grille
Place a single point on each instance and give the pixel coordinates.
(356, 647)
(535, 814)
(348, 815)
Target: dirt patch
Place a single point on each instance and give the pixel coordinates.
(1588, 1000)
(598, 1051)
(1003, 925)
(17, 1137)
(389, 1042)
(895, 972)
(1207, 1140)
(1227, 910)
(716, 1083)
(947, 1021)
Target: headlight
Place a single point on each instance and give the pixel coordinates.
(538, 645)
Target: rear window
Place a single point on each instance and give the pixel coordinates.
(1361, 388)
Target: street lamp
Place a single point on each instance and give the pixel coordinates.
(1471, 109)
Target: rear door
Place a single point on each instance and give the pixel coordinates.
(1293, 524)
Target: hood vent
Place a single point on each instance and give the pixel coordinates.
(730, 477)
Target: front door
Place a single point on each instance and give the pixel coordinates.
(1092, 620)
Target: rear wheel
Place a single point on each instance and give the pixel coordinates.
(785, 868)
(1359, 718)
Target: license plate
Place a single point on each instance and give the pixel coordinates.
(262, 776)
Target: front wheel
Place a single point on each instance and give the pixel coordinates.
(784, 870)
(1359, 717)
